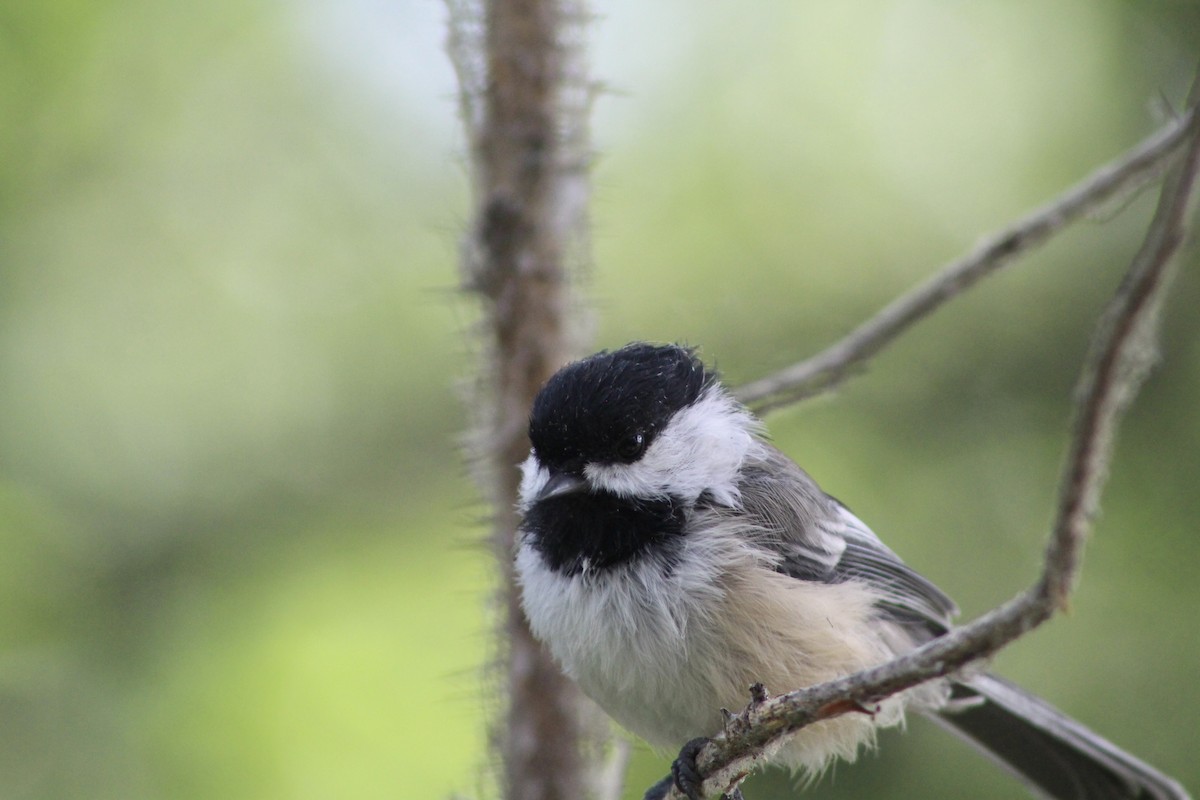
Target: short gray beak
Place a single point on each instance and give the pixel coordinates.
(561, 483)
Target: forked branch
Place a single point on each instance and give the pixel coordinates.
(1118, 360)
(827, 369)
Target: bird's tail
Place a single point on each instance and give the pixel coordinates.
(1055, 755)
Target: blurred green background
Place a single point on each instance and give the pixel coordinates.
(238, 548)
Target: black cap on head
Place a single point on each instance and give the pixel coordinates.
(608, 407)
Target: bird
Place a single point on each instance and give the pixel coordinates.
(669, 556)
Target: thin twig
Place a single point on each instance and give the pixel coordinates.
(828, 368)
(1117, 362)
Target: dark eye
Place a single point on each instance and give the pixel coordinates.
(631, 446)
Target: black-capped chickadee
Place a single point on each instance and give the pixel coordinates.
(670, 557)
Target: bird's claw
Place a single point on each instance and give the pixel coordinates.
(685, 775)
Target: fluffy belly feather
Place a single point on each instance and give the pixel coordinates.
(663, 648)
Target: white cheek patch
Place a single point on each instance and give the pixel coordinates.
(700, 450)
(533, 478)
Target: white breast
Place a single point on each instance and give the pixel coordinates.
(631, 637)
(663, 648)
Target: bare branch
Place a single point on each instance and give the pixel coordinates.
(828, 368)
(517, 66)
(1118, 360)
(1122, 353)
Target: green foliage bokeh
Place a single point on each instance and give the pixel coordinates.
(239, 548)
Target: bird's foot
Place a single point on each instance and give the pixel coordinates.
(685, 775)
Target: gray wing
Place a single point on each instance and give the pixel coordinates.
(819, 539)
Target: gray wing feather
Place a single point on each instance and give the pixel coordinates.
(819, 539)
